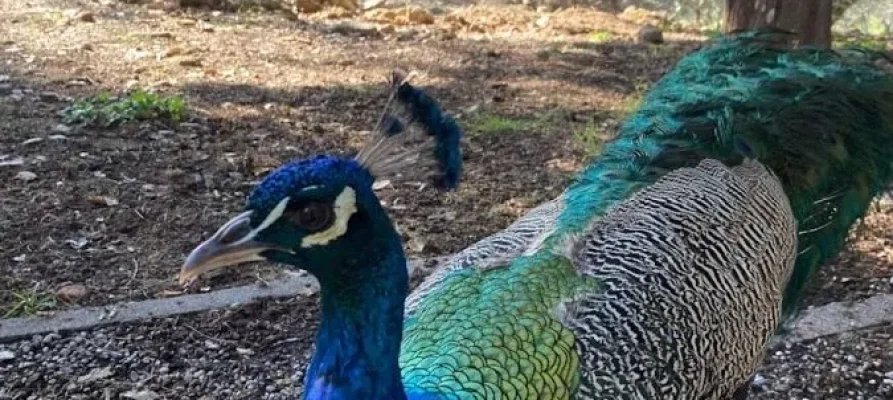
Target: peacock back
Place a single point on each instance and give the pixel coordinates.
(659, 273)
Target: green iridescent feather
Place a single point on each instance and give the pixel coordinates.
(495, 333)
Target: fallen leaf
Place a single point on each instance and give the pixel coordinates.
(191, 62)
(104, 201)
(96, 374)
(78, 243)
(174, 51)
(378, 185)
(26, 176)
(13, 162)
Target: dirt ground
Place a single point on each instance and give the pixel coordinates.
(263, 89)
(534, 91)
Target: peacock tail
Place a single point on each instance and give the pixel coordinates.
(821, 120)
(658, 272)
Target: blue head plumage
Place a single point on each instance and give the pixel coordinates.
(301, 212)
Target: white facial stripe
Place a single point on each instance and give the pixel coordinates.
(274, 214)
(345, 207)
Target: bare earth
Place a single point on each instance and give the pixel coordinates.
(264, 88)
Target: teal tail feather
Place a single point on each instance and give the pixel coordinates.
(822, 120)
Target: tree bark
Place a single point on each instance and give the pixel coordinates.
(809, 20)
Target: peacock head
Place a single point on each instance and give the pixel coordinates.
(318, 213)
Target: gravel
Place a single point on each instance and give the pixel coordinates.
(253, 352)
(852, 365)
(260, 351)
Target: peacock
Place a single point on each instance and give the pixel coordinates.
(661, 272)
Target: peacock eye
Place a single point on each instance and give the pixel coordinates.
(312, 216)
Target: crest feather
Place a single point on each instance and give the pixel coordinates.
(414, 138)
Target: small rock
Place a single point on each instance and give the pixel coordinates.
(26, 176)
(542, 21)
(243, 351)
(162, 35)
(6, 355)
(72, 292)
(5, 89)
(211, 344)
(61, 128)
(19, 258)
(50, 338)
(140, 395)
(4, 78)
(32, 141)
(355, 29)
(86, 16)
(650, 34)
(57, 137)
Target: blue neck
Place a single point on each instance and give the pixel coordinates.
(358, 342)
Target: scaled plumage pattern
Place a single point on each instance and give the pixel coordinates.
(658, 274)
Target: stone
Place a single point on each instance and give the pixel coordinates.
(650, 34)
(72, 292)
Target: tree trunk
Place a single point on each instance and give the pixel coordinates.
(809, 20)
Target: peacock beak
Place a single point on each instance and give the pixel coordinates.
(233, 244)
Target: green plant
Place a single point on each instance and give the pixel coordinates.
(29, 302)
(601, 36)
(486, 124)
(106, 111)
(590, 138)
(866, 42)
(713, 34)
